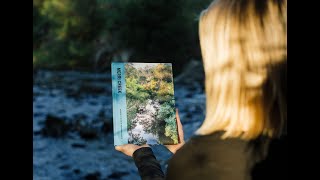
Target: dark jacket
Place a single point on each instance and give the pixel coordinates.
(207, 157)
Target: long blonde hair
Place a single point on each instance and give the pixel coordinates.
(244, 51)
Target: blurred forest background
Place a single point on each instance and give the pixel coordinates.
(89, 34)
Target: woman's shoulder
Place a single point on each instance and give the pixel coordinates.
(209, 154)
(215, 139)
(274, 166)
(214, 148)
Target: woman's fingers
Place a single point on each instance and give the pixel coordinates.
(180, 128)
(129, 149)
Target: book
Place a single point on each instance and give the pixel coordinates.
(143, 104)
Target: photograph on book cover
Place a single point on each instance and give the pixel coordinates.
(149, 108)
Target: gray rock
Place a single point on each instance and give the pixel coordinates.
(93, 176)
(55, 126)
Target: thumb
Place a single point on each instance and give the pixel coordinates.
(118, 148)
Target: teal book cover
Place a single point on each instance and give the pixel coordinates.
(143, 104)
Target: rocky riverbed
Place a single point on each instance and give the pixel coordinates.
(73, 130)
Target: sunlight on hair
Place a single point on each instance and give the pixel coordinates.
(241, 44)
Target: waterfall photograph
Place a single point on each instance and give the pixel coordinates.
(150, 103)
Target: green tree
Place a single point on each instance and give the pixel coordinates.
(167, 114)
(78, 33)
(71, 28)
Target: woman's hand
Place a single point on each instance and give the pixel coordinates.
(174, 148)
(129, 149)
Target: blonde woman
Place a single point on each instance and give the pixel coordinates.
(244, 51)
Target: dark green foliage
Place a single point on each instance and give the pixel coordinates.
(73, 33)
(136, 139)
(167, 113)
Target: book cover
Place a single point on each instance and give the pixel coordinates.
(143, 104)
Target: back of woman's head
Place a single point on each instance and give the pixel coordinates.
(244, 50)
